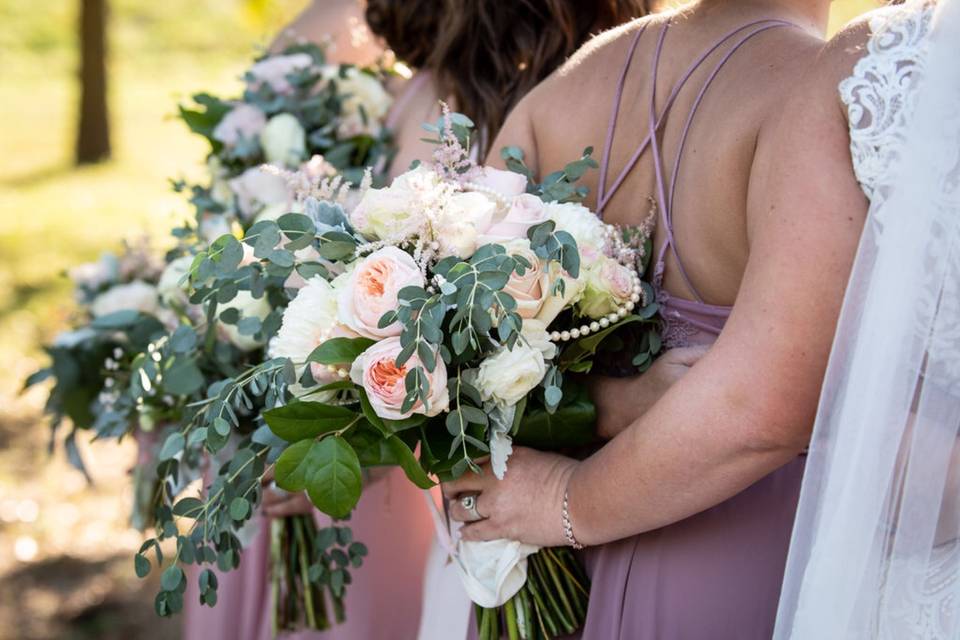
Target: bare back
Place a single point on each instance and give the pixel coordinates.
(572, 110)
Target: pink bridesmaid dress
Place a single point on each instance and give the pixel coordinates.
(382, 603)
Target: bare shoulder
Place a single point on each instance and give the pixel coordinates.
(341, 25)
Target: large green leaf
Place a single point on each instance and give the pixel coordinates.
(573, 424)
(409, 463)
(334, 485)
(295, 465)
(305, 420)
(340, 350)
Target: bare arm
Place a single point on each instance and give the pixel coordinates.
(747, 408)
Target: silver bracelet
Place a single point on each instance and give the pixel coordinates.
(567, 525)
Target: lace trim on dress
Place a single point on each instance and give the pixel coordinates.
(879, 96)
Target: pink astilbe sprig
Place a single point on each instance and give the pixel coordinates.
(451, 159)
(316, 179)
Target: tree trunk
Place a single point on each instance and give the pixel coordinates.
(93, 132)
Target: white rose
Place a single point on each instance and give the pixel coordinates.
(465, 217)
(366, 104)
(257, 189)
(581, 223)
(535, 333)
(242, 122)
(134, 296)
(249, 307)
(169, 288)
(492, 572)
(510, 374)
(284, 141)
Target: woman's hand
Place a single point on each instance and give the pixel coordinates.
(614, 414)
(280, 504)
(524, 506)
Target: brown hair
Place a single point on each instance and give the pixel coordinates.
(487, 54)
(409, 27)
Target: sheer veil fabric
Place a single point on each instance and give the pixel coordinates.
(875, 551)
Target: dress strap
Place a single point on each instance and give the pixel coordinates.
(665, 197)
(603, 195)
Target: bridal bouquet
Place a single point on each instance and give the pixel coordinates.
(295, 106)
(439, 318)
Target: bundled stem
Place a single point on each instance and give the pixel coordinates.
(552, 602)
(299, 602)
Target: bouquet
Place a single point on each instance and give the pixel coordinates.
(175, 363)
(436, 326)
(297, 110)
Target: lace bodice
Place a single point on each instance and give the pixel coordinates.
(880, 96)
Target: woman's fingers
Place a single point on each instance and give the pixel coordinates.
(460, 513)
(481, 531)
(469, 482)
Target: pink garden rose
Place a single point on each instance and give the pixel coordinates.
(533, 287)
(506, 183)
(243, 121)
(609, 284)
(377, 372)
(273, 71)
(526, 211)
(371, 289)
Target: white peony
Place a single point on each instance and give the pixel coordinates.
(284, 141)
(366, 104)
(395, 212)
(172, 289)
(510, 374)
(249, 307)
(581, 223)
(258, 189)
(310, 319)
(134, 296)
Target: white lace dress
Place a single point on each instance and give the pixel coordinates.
(880, 98)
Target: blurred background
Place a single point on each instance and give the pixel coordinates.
(65, 546)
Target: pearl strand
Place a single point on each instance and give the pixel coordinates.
(636, 295)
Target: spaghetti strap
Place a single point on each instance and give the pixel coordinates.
(655, 121)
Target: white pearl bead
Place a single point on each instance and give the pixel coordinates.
(343, 373)
(584, 330)
(555, 336)
(594, 326)
(604, 322)
(613, 317)
(565, 335)
(621, 312)
(574, 333)
(635, 297)
(629, 306)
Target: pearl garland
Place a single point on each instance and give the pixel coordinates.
(636, 295)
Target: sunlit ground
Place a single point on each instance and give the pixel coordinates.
(65, 547)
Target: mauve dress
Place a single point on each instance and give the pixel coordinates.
(385, 598)
(715, 575)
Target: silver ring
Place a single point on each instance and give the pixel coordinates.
(469, 504)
